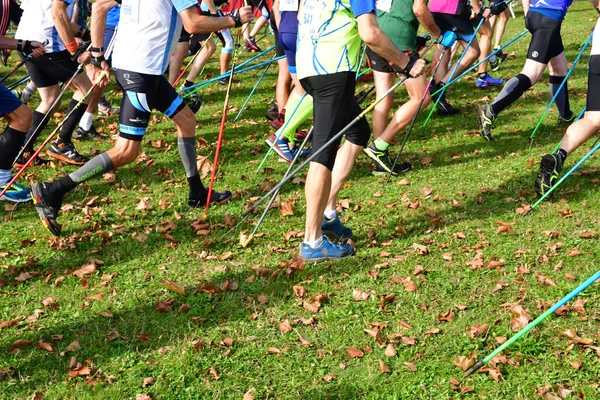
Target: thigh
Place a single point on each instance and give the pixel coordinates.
(546, 42)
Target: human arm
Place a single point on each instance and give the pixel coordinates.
(596, 4)
(65, 28)
(526, 6)
(76, 11)
(194, 23)
(36, 49)
(373, 36)
(425, 18)
(210, 4)
(475, 8)
(100, 10)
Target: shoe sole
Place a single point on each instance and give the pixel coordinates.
(281, 155)
(65, 159)
(373, 157)
(45, 222)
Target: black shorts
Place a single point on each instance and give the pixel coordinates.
(334, 107)
(546, 42)
(278, 48)
(185, 36)
(593, 99)
(380, 64)
(51, 68)
(143, 93)
(462, 23)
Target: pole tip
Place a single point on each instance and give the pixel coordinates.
(204, 216)
(245, 239)
(472, 370)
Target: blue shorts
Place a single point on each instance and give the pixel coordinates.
(8, 101)
(288, 37)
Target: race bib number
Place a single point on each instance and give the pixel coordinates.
(384, 5)
(130, 12)
(288, 5)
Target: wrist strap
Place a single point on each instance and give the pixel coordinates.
(20, 45)
(409, 66)
(97, 61)
(97, 49)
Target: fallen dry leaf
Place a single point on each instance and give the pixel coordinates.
(383, 367)
(355, 353)
(174, 286)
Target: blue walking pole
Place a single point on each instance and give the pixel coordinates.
(454, 70)
(557, 184)
(18, 83)
(252, 92)
(587, 42)
(576, 119)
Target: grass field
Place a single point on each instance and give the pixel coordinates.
(433, 283)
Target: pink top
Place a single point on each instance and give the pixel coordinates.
(454, 7)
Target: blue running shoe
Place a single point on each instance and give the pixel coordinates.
(480, 83)
(335, 229)
(17, 193)
(283, 150)
(489, 81)
(326, 250)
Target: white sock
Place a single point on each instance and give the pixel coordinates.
(5, 175)
(86, 121)
(330, 214)
(314, 244)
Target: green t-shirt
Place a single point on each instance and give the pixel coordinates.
(328, 39)
(398, 21)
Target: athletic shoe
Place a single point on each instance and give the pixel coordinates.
(383, 160)
(251, 45)
(400, 168)
(282, 148)
(27, 93)
(225, 81)
(194, 102)
(17, 193)
(22, 160)
(215, 198)
(106, 111)
(326, 250)
(568, 120)
(278, 122)
(66, 152)
(4, 54)
(497, 59)
(82, 134)
(443, 107)
(485, 118)
(47, 205)
(491, 81)
(272, 113)
(494, 63)
(550, 167)
(336, 230)
(269, 141)
(300, 135)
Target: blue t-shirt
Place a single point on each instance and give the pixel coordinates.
(112, 19)
(554, 9)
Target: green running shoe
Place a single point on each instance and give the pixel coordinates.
(550, 167)
(383, 161)
(485, 118)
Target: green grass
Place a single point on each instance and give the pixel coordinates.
(474, 185)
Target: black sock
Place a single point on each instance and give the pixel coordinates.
(103, 102)
(512, 90)
(71, 123)
(62, 186)
(562, 100)
(562, 154)
(197, 190)
(38, 123)
(482, 75)
(11, 142)
(188, 83)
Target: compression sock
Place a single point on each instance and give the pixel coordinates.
(187, 151)
(103, 103)
(562, 154)
(11, 142)
(5, 176)
(71, 122)
(381, 144)
(512, 90)
(187, 83)
(86, 121)
(562, 100)
(97, 166)
(38, 123)
(300, 109)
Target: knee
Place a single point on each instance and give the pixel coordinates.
(594, 118)
(20, 119)
(123, 153)
(186, 122)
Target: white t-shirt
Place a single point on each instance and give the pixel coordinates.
(288, 5)
(148, 33)
(37, 23)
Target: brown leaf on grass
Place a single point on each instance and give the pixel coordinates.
(521, 320)
(44, 346)
(579, 306)
(285, 326)
(359, 295)
(504, 227)
(543, 279)
(409, 284)
(73, 346)
(390, 351)
(213, 372)
(383, 367)
(273, 350)
(21, 343)
(112, 335)
(574, 253)
(576, 365)
(572, 334)
(329, 378)
(422, 250)
(477, 330)
(465, 362)
(433, 331)
(9, 323)
(174, 286)
(411, 366)
(494, 373)
(313, 307)
(408, 341)
(87, 269)
(144, 204)
(353, 352)
(23, 276)
(447, 316)
(162, 306)
(148, 382)
(263, 299)
(50, 303)
(249, 395)
(82, 371)
(142, 396)
(287, 208)
(96, 297)
(300, 291)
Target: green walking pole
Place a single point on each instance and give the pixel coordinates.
(239, 114)
(587, 42)
(533, 324)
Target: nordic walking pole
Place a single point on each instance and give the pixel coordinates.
(192, 60)
(533, 324)
(587, 42)
(329, 142)
(493, 53)
(576, 119)
(455, 69)
(51, 136)
(18, 83)
(287, 120)
(12, 71)
(414, 118)
(557, 184)
(253, 90)
(362, 58)
(50, 110)
(222, 128)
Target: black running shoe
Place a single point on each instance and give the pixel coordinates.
(567, 120)
(383, 161)
(82, 134)
(66, 152)
(225, 81)
(443, 107)
(485, 118)
(272, 113)
(215, 198)
(47, 205)
(400, 168)
(550, 167)
(37, 162)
